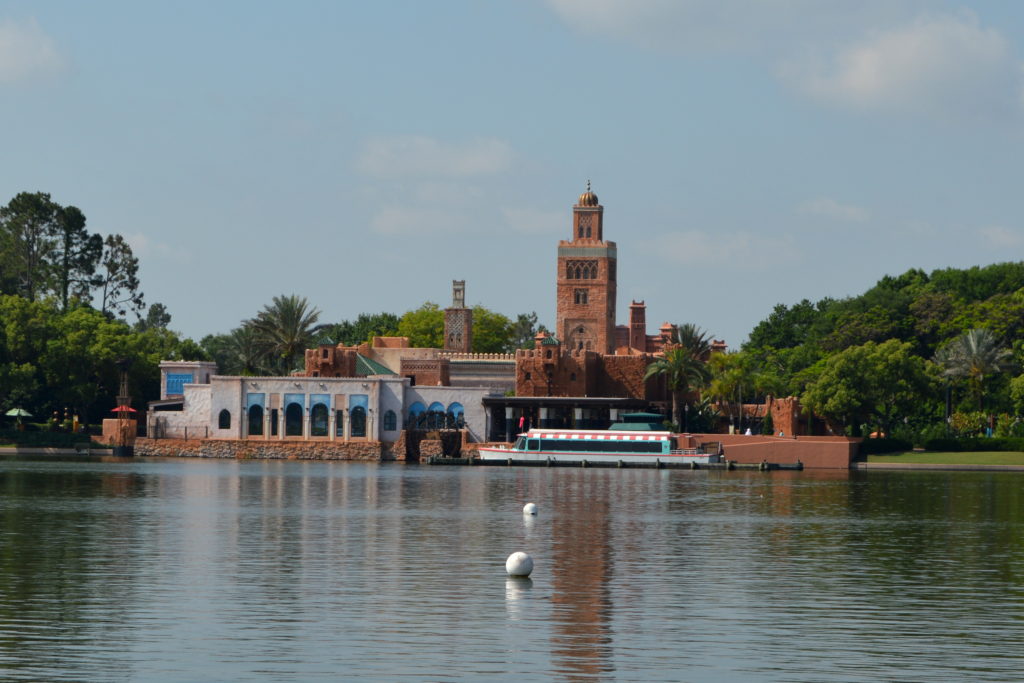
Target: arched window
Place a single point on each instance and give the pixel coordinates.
(293, 420)
(390, 421)
(435, 416)
(456, 416)
(417, 411)
(224, 419)
(318, 420)
(256, 420)
(358, 417)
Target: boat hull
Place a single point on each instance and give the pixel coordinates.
(505, 454)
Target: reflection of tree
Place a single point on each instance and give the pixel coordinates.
(68, 544)
(435, 419)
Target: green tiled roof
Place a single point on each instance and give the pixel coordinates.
(550, 341)
(365, 366)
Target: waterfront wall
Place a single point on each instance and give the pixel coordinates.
(373, 451)
(816, 452)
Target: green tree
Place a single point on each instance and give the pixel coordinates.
(525, 330)
(157, 318)
(870, 383)
(738, 377)
(424, 326)
(363, 329)
(118, 278)
(975, 356)
(28, 238)
(684, 365)
(285, 328)
(492, 332)
(76, 256)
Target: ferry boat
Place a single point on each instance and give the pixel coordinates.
(598, 446)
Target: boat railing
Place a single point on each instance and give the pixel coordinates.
(688, 451)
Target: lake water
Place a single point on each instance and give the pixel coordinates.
(200, 570)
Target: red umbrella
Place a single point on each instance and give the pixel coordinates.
(123, 409)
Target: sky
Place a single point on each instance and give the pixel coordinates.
(366, 154)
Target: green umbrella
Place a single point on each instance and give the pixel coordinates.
(18, 412)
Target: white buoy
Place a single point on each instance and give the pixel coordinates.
(530, 509)
(519, 564)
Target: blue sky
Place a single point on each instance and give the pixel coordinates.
(365, 154)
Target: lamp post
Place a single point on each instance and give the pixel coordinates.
(686, 418)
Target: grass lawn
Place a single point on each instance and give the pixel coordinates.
(940, 458)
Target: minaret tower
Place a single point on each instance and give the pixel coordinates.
(586, 281)
(458, 321)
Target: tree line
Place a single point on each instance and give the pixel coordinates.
(917, 356)
(273, 342)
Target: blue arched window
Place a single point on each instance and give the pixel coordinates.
(435, 416)
(416, 415)
(256, 420)
(358, 417)
(456, 415)
(318, 420)
(390, 421)
(293, 420)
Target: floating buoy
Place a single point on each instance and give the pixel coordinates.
(530, 509)
(519, 564)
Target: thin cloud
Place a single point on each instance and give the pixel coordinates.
(723, 26)
(830, 208)
(1002, 238)
(535, 222)
(26, 52)
(425, 157)
(741, 248)
(406, 220)
(946, 64)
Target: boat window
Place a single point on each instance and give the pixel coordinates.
(520, 444)
(532, 445)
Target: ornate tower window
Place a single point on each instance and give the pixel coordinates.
(580, 296)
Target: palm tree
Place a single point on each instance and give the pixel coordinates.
(683, 365)
(246, 354)
(974, 355)
(285, 329)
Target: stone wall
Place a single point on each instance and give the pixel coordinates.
(430, 373)
(373, 451)
(624, 376)
(547, 371)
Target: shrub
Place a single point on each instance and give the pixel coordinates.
(979, 444)
(41, 439)
(884, 445)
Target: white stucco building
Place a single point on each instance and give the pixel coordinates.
(196, 403)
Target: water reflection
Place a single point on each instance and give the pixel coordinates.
(313, 571)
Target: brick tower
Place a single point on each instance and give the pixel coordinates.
(458, 321)
(586, 281)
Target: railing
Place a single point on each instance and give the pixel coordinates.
(688, 451)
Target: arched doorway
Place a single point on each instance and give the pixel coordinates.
(256, 420)
(293, 420)
(358, 417)
(318, 420)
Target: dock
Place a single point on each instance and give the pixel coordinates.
(657, 464)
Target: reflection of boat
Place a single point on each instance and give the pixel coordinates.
(595, 446)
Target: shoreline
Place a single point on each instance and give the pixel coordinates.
(935, 466)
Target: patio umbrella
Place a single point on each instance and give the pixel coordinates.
(123, 409)
(18, 412)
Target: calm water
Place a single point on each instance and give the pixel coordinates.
(196, 570)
